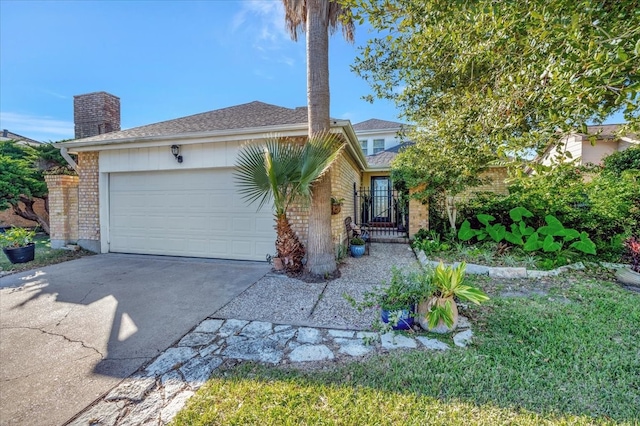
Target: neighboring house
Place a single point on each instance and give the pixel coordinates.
(376, 135)
(8, 136)
(579, 146)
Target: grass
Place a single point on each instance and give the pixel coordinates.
(536, 360)
(44, 256)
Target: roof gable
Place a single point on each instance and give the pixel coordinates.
(376, 124)
(250, 115)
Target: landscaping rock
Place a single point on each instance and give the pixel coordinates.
(463, 339)
(432, 344)
(392, 340)
(311, 353)
(496, 272)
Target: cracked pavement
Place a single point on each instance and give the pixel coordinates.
(71, 332)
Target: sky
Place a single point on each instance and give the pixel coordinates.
(163, 59)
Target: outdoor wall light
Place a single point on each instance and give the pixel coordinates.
(175, 150)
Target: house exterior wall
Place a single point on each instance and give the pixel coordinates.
(418, 214)
(594, 154)
(571, 144)
(89, 201)
(9, 218)
(344, 175)
(63, 209)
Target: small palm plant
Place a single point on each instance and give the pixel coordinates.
(283, 171)
(439, 312)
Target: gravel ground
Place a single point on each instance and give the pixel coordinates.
(282, 300)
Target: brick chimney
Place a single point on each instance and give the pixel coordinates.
(95, 113)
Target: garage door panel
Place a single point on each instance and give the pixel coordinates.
(186, 213)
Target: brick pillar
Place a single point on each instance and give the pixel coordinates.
(418, 215)
(88, 202)
(63, 209)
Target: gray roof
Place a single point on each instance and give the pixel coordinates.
(250, 115)
(384, 158)
(6, 134)
(375, 124)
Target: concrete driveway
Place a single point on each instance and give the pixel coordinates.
(71, 332)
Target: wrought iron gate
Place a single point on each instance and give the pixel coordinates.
(383, 209)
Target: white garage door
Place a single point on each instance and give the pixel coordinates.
(186, 213)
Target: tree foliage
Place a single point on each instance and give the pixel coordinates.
(22, 169)
(482, 78)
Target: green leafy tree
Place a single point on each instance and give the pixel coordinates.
(504, 78)
(22, 182)
(284, 171)
(318, 18)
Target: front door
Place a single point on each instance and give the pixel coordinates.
(381, 197)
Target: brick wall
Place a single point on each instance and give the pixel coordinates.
(63, 209)
(88, 201)
(497, 183)
(418, 215)
(95, 113)
(343, 175)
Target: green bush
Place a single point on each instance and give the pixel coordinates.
(604, 205)
(620, 161)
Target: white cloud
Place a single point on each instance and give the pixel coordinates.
(35, 127)
(263, 23)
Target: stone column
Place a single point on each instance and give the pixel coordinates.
(63, 209)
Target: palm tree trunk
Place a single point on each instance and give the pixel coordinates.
(320, 259)
(288, 246)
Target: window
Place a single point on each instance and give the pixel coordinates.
(378, 145)
(364, 146)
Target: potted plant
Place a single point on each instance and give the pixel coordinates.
(357, 246)
(438, 311)
(631, 276)
(17, 244)
(336, 205)
(396, 300)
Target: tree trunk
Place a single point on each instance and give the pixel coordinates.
(29, 213)
(320, 255)
(288, 246)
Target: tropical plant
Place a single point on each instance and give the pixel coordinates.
(337, 201)
(317, 18)
(439, 307)
(284, 171)
(16, 237)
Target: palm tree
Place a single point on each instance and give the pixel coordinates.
(284, 171)
(317, 18)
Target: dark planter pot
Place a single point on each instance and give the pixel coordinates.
(405, 321)
(20, 254)
(357, 251)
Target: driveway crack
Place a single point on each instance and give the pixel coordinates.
(77, 304)
(84, 345)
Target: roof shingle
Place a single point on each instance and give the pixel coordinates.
(249, 115)
(375, 124)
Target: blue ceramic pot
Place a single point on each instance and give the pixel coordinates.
(405, 321)
(357, 251)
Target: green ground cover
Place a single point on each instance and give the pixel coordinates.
(569, 357)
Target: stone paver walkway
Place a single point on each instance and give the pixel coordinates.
(156, 394)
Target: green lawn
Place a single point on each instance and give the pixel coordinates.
(45, 255)
(571, 357)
